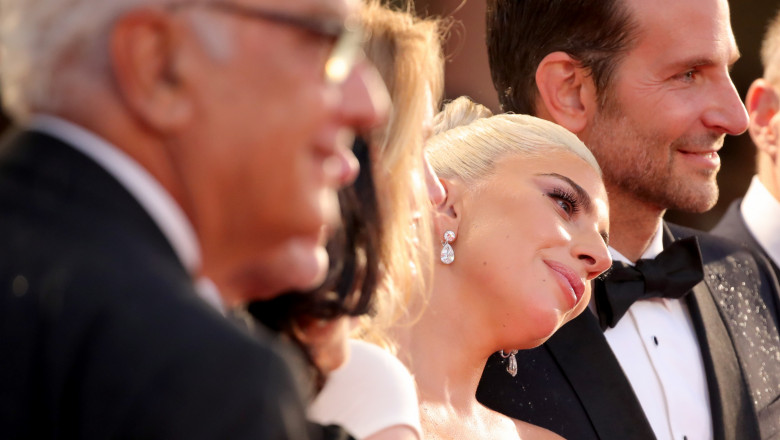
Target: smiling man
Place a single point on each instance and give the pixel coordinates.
(160, 143)
(664, 352)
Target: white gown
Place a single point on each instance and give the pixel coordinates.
(371, 392)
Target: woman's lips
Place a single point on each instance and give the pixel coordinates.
(568, 280)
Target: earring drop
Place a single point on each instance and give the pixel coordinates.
(447, 253)
(511, 366)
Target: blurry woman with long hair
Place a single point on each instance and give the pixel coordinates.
(377, 269)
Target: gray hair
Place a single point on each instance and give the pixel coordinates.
(469, 141)
(48, 48)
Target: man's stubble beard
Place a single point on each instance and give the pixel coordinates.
(631, 163)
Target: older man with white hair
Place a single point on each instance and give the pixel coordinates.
(160, 143)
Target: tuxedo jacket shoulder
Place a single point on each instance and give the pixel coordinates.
(101, 332)
(745, 288)
(732, 226)
(574, 385)
(719, 248)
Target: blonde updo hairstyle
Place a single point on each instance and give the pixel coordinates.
(469, 140)
(407, 51)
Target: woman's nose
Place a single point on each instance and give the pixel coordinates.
(594, 253)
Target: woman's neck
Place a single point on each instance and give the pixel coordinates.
(446, 349)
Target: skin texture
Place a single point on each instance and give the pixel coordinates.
(328, 341)
(763, 103)
(511, 228)
(435, 190)
(249, 168)
(670, 105)
(398, 432)
(285, 267)
(292, 266)
(296, 264)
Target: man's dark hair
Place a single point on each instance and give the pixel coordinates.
(520, 33)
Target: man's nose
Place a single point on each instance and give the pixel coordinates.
(365, 101)
(728, 114)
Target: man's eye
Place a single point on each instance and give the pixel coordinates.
(689, 76)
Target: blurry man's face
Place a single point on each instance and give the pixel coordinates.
(671, 103)
(273, 144)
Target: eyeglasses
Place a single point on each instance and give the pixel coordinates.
(347, 36)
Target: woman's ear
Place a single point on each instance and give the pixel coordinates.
(447, 214)
(567, 94)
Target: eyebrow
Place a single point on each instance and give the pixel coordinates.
(583, 195)
(705, 61)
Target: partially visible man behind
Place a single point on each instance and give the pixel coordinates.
(680, 341)
(162, 142)
(755, 220)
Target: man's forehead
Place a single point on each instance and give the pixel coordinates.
(686, 29)
(656, 14)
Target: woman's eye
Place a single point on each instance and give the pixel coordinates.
(565, 205)
(566, 201)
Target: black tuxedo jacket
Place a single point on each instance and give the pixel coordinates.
(101, 332)
(732, 226)
(574, 385)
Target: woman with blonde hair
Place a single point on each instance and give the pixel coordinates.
(523, 230)
(407, 51)
(372, 395)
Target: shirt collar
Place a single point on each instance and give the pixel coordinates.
(152, 196)
(760, 211)
(656, 247)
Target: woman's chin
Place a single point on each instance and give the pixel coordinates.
(541, 332)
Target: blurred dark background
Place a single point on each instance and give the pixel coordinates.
(468, 74)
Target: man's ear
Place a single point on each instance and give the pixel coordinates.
(144, 50)
(447, 215)
(567, 94)
(762, 103)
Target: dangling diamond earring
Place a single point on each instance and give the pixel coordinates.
(511, 366)
(447, 254)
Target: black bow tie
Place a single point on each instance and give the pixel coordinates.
(672, 274)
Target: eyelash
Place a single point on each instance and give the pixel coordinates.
(689, 76)
(571, 200)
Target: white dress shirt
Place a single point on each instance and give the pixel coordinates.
(761, 211)
(155, 200)
(655, 344)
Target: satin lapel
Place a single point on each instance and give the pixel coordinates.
(730, 403)
(594, 373)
